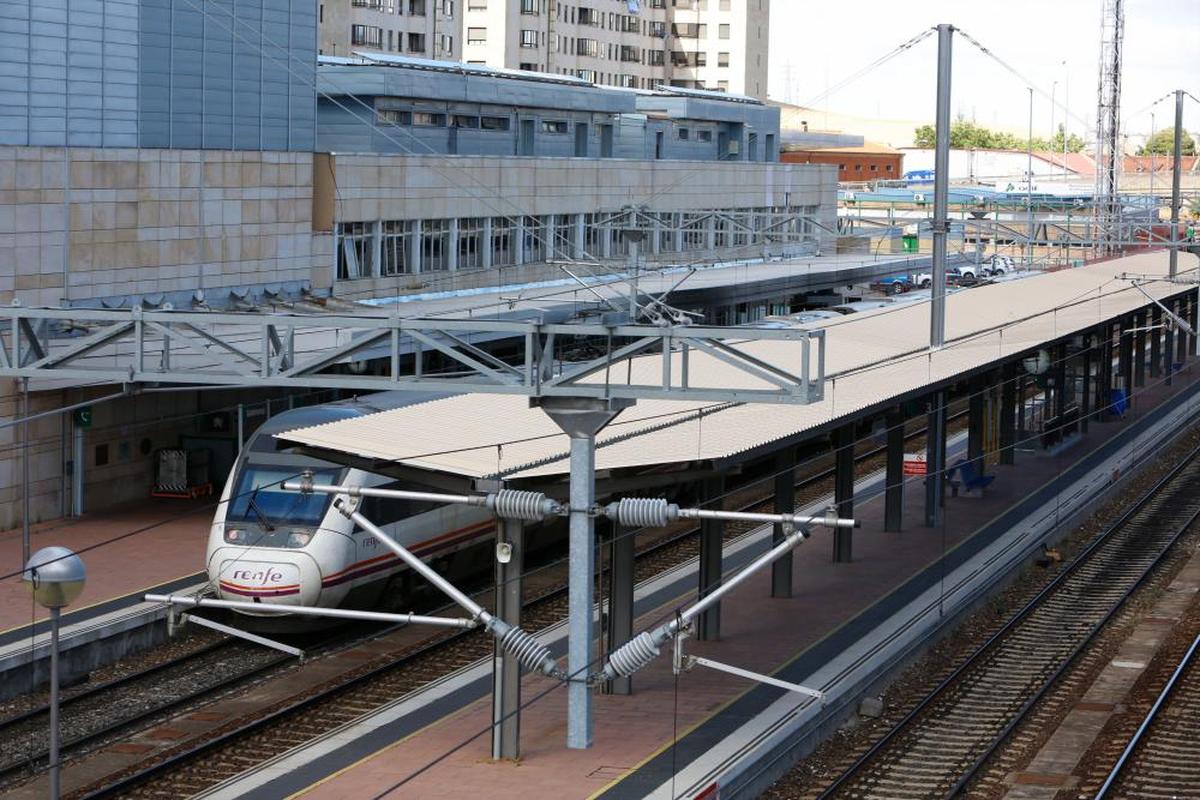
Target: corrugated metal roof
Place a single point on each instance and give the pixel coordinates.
(871, 357)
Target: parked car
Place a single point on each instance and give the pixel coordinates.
(893, 284)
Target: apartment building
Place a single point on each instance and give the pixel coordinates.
(697, 44)
(419, 28)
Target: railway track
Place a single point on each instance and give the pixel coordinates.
(196, 766)
(1162, 758)
(100, 713)
(941, 745)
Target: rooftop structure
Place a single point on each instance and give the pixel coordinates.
(397, 104)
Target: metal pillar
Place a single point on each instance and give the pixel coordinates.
(1008, 413)
(620, 601)
(1104, 372)
(55, 767)
(1060, 381)
(941, 185)
(26, 547)
(935, 459)
(506, 669)
(1139, 348)
(1194, 320)
(1085, 399)
(1175, 173)
(843, 491)
(975, 425)
(785, 502)
(1156, 360)
(1125, 355)
(77, 475)
(1169, 345)
(712, 533)
(893, 495)
(1181, 351)
(581, 419)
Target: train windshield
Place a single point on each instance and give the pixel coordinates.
(259, 498)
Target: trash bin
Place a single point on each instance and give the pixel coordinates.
(911, 242)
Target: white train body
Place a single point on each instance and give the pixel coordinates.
(288, 548)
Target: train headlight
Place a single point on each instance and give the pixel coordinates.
(298, 538)
(235, 536)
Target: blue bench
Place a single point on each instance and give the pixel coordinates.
(965, 474)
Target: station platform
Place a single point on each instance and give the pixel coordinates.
(845, 626)
(163, 550)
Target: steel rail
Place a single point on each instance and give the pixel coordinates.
(989, 645)
(38, 763)
(1151, 715)
(161, 768)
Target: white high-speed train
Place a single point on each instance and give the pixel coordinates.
(280, 547)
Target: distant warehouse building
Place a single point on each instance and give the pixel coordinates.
(869, 161)
(396, 104)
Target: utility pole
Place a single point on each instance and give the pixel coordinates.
(941, 190)
(1108, 124)
(1029, 184)
(1176, 170)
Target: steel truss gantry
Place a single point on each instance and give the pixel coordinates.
(256, 350)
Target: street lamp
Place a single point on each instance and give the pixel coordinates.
(54, 576)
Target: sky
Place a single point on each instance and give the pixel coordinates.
(1046, 41)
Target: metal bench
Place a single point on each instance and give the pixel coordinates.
(965, 474)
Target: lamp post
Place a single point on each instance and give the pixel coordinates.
(54, 576)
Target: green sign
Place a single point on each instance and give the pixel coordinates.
(83, 417)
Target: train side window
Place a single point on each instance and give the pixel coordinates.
(386, 510)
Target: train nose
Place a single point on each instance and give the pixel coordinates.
(269, 577)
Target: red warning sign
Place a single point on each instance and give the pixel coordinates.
(914, 464)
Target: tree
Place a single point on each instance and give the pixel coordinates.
(1162, 143)
(966, 135)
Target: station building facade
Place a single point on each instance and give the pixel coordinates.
(250, 195)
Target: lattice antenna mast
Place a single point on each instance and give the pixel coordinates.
(1108, 123)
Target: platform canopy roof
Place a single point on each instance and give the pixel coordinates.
(872, 357)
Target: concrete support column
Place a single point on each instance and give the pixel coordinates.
(678, 218)
(656, 236)
(1156, 359)
(712, 531)
(843, 491)
(377, 248)
(416, 252)
(976, 404)
(452, 245)
(710, 234)
(518, 241)
(935, 459)
(785, 502)
(893, 495)
(620, 603)
(606, 237)
(506, 669)
(580, 232)
(1009, 398)
(1139, 349)
(485, 244)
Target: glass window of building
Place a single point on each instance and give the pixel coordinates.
(395, 248)
(493, 123)
(502, 242)
(435, 244)
(723, 30)
(476, 35)
(554, 126)
(529, 38)
(535, 239)
(366, 35)
(354, 250)
(416, 7)
(722, 59)
(416, 43)
(470, 243)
